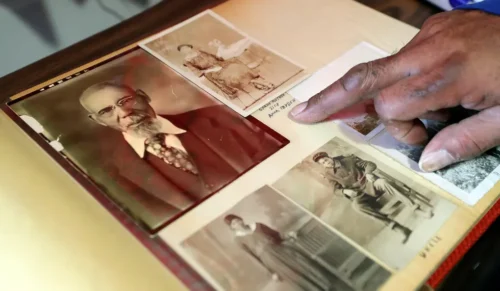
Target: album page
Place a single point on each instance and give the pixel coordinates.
(298, 220)
(188, 134)
(289, 224)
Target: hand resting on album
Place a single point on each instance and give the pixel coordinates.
(453, 61)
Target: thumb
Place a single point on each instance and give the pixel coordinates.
(463, 141)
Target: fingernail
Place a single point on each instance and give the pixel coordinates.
(435, 160)
(298, 109)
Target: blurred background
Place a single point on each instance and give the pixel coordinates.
(33, 29)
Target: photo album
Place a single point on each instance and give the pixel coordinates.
(185, 138)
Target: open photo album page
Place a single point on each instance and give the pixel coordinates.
(189, 135)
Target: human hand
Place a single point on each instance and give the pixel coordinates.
(453, 61)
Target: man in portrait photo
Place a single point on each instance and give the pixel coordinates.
(343, 185)
(354, 178)
(171, 162)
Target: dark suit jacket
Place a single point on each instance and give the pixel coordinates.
(223, 146)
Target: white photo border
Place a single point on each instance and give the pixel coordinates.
(195, 264)
(470, 198)
(244, 112)
(314, 81)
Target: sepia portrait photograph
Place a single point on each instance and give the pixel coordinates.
(266, 242)
(225, 62)
(148, 138)
(357, 194)
(468, 180)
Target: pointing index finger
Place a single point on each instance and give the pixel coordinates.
(359, 83)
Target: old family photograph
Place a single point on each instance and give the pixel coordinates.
(473, 177)
(266, 242)
(309, 229)
(377, 207)
(232, 66)
(149, 139)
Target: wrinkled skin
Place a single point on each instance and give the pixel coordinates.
(453, 61)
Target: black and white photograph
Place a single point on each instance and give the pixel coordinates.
(224, 61)
(266, 242)
(468, 180)
(148, 138)
(357, 194)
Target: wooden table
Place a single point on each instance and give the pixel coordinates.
(40, 230)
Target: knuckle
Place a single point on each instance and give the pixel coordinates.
(434, 21)
(460, 51)
(318, 98)
(359, 77)
(398, 131)
(383, 106)
(466, 144)
(477, 101)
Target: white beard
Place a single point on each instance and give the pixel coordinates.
(146, 129)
